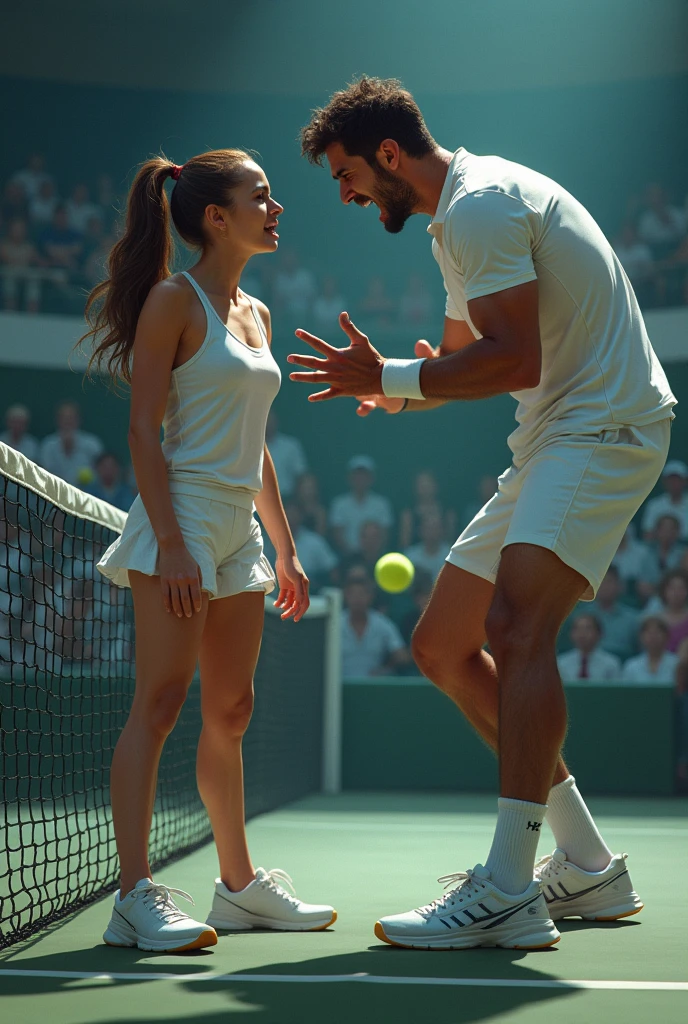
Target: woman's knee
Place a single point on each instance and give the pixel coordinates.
(229, 718)
(159, 710)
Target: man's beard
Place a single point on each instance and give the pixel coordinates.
(396, 197)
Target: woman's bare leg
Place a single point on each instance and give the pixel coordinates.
(166, 655)
(229, 652)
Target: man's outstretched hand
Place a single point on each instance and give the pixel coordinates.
(355, 370)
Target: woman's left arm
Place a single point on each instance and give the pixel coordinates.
(293, 583)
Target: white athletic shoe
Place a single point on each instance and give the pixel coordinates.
(475, 913)
(264, 903)
(593, 895)
(147, 917)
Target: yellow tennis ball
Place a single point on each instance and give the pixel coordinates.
(85, 475)
(394, 572)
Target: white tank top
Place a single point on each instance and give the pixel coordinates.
(217, 408)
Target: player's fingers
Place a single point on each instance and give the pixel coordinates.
(312, 377)
(185, 597)
(166, 600)
(311, 361)
(176, 599)
(317, 343)
(281, 597)
(323, 396)
(365, 408)
(424, 350)
(350, 329)
(195, 590)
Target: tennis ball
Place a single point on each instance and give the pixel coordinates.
(85, 475)
(394, 572)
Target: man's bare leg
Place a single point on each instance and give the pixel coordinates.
(447, 646)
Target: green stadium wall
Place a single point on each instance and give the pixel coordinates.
(404, 734)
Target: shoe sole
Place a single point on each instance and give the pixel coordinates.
(380, 933)
(227, 926)
(207, 938)
(613, 916)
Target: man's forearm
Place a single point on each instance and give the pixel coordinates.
(480, 370)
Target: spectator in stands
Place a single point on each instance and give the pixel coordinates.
(588, 660)
(636, 259)
(671, 604)
(656, 664)
(673, 500)
(287, 454)
(32, 177)
(294, 287)
(16, 433)
(416, 306)
(14, 203)
(429, 555)
(19, 262)
(315, 554)
(629, 558)
(665, 553)
(94, 265)
(421, 588)
(371, 643)
(108, 484)
(371, 546)
(328, 305)
(661, 225)
(59, 244)
(43, 205)
(349, 511)
(80, 209)
(313, 512)
(377, 307)
(70, 453)
(426, 501)
(619, 622)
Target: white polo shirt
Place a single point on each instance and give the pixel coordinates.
(364, 655)
(499, 225)
(638, 671)
(602, 667)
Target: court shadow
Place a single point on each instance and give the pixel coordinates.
(413, 987)
(578, 925)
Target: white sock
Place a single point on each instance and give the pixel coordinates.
(574, 829)
(512, 855)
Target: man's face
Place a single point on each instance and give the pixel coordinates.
(584, 634)
(675, 485)
(362, 184)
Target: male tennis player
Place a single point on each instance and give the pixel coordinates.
(538, 306)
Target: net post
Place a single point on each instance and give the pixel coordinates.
(332, 694)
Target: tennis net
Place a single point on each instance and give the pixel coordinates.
(66, 684)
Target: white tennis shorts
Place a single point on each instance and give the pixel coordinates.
(225, 540)
(574, 496)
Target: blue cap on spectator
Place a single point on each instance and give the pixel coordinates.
(675, 467)
(362, 462)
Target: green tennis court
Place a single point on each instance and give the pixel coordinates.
(376, 854)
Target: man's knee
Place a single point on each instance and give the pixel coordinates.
(512, 628)
(443, 664)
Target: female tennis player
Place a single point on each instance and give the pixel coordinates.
(196, 351)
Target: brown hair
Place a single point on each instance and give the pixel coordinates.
(673, 574)
(362, 116)
(141, 258)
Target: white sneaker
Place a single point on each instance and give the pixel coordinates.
(264, 903)
(147, 917)
(593, 895)
(475, 913)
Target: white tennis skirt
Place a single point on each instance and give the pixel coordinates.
(225, 540)
(575, 496)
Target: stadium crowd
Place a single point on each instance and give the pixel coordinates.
(53, 248)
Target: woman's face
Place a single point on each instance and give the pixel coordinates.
(249, 225)
(426, 487)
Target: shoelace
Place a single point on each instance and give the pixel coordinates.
(547, 866)
(467, 885)
(159, 898)
(275, 879)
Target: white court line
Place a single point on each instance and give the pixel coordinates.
(394, 826)
(372, 979)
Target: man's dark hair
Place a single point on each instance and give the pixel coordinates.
(361, 116)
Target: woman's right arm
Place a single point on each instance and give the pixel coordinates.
(160, 326)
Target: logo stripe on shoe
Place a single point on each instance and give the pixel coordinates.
(582, 892)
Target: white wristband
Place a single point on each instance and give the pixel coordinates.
(401, 378)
